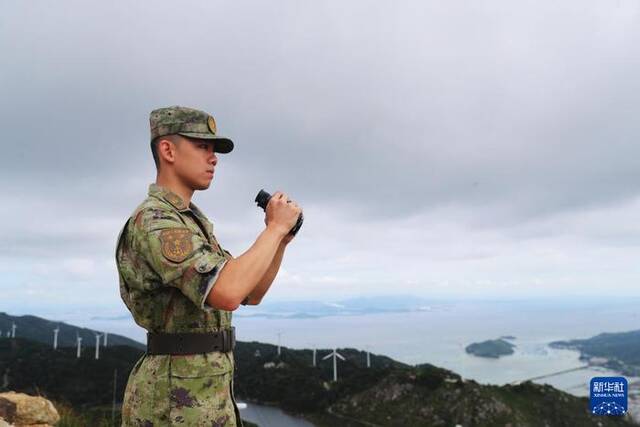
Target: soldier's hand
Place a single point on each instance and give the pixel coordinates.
(282, 213)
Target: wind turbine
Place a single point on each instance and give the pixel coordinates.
(368, 357)
(98, 336)
(13, 330)
(279, 334)
(335, 354)
(314, 353)
(104, 343)
(79, 341)
(55, 337)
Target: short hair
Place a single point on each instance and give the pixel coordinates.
(154, 146)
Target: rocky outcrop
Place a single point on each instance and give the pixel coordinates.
(429, 396)
(22, 410)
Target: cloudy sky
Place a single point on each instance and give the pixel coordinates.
(456, 149)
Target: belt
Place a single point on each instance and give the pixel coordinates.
(191, 342)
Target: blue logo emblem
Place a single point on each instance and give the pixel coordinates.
(608, 395)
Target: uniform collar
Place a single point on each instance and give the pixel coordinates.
(169, 196)
(174, 200)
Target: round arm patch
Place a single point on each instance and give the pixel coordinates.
(176, 244)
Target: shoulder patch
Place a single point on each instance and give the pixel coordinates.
(176, 243)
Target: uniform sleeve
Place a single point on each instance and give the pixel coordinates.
(181, 258)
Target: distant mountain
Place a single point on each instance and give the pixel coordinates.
(618, 351)
(347, 307)
(490, 348)
(38, 329)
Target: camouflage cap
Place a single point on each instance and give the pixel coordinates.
(187, 122)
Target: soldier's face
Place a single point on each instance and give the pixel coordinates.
(195, 162)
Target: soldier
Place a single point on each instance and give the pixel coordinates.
(181, 285)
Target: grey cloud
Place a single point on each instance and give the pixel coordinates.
(498, 115)
(339, 105)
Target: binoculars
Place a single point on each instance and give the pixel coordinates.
(262, 199)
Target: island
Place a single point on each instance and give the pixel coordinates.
(491, 348)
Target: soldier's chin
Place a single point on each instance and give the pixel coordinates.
(203, 185)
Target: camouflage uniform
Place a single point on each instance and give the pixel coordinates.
(168, 260)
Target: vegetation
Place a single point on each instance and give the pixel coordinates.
(34, 368)
(69, 417)
(402, 399)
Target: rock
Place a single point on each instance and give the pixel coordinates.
(396, 391)
(7, 410)
(3, 423)
(32, 411)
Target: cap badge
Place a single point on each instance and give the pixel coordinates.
(212, 124)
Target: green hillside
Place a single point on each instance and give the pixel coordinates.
(35, 368)
(38, 329)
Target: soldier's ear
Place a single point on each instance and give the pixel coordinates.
(167, 150)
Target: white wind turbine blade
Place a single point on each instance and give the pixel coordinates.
(340, 356)
(327, 356)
